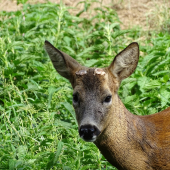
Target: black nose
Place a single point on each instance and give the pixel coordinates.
(89, 132)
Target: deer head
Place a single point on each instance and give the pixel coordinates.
(94, 89)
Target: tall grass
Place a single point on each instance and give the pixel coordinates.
(38, 129)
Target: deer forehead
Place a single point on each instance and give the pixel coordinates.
(93, 79)
(96, 71)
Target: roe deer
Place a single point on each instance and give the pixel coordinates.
(127, 141)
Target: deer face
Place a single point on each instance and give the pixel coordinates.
(94, 89)
(92, 101)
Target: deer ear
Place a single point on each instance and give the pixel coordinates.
(125, 63)
(63, 63)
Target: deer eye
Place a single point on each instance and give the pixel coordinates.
(108, 99)
(75, 98)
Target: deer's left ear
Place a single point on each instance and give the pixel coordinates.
(125, 63)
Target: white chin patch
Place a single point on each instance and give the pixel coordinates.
(89, 140)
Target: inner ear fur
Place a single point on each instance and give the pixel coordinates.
(125, 63)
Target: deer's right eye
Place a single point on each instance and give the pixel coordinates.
(75, 98)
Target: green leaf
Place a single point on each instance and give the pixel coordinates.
(12, 163)
(161, 65)
(69, 107)
(63, 123)
(90, 63)
(152, 84)
(22, 150)
(161, 73)
(130, 99)
(32, 87)
(142, 83)
(51, 91)
(59, 149)
(85, 51)
(55, 156)
(165, 96)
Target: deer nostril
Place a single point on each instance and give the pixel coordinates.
(88, 132)
(84, 131)
(92, 130)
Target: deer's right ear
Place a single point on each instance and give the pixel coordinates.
(63, 63)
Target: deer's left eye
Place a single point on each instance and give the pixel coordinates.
(108, 99)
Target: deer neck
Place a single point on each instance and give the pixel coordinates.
(118, 142)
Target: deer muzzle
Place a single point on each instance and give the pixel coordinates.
(89, 133)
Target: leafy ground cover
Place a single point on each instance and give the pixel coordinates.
(38, 129)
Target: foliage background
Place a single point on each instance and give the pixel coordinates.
(38, 129)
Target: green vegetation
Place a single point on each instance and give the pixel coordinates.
(38, 129)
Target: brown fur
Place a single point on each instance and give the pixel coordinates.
(136, 142)
(128, 142)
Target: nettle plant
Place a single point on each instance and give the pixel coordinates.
(38, 127)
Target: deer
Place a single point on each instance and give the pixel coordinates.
(126, 140)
